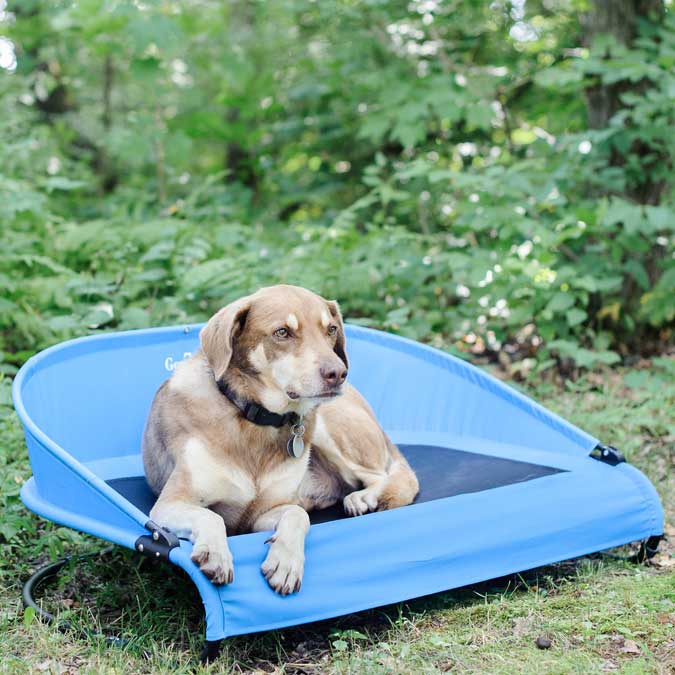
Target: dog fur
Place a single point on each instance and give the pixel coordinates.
(217, 473)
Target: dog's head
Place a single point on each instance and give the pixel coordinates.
(287, 343)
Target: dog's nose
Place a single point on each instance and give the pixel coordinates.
(333, 375)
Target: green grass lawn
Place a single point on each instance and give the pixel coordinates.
(601, 615)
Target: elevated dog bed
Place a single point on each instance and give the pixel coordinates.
(506, 485)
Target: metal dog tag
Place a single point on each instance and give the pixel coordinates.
(296, 446)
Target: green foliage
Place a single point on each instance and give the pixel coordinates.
(429, 164)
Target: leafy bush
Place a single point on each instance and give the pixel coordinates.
(430, 164)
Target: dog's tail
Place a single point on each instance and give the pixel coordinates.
(402, 485)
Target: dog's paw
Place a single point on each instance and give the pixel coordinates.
(360, 502)
(215, 560)
(283, 568)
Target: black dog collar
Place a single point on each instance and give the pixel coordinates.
(254, 412)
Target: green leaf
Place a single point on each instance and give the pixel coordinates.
(135, 317)
(353, 634)
(409, 133)
(560, 302)
(636, 379)
(559, 77)
(152, 275)
(665, 363)
(479, 116)
(584, 358)
(575, 316)
(374, 127)
(637, 270)
(660, 218)
(28, 616)
(63, 323)
(62, 183)
(667, 280)
(622, 212)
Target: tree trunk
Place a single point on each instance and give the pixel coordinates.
(620, 19)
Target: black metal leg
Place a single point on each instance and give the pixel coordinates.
(210, 650)
(648, 548)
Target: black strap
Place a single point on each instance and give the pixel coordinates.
(254, 412)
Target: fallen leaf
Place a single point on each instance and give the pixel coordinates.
(663, 560)
(631, 647)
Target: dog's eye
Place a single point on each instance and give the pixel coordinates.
(332, 330)
(281, 332)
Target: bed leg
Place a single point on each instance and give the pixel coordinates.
(210, 650)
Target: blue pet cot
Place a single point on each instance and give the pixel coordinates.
(506, 485)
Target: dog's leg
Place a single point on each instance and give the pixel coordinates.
(396, 486)
(400, 487)
(205, 529)
(367, 499)
(285, 562)
(363, 456)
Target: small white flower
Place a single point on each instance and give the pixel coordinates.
(467, 149)
(53, 165)
(524, 249)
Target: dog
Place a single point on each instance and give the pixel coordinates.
(258, 427)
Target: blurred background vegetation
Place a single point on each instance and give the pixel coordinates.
(494, 178)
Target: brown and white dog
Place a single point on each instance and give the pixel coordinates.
(216, 445)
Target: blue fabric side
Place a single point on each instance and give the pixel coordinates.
(214, 608)
(391, 556)
(124, 536)
(414, 387)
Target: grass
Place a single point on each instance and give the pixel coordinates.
(601, 615)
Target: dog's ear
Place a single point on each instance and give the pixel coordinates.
(339, 349)
(218, 336)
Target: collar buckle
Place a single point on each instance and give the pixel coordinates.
(254, 412)
(251, 413)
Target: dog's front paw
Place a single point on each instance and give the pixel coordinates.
(360, 502)
(283, 568)
(215, 560)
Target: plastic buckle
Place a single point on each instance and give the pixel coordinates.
(608, 454)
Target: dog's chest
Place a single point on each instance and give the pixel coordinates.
(220, 480)
(280, 484)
